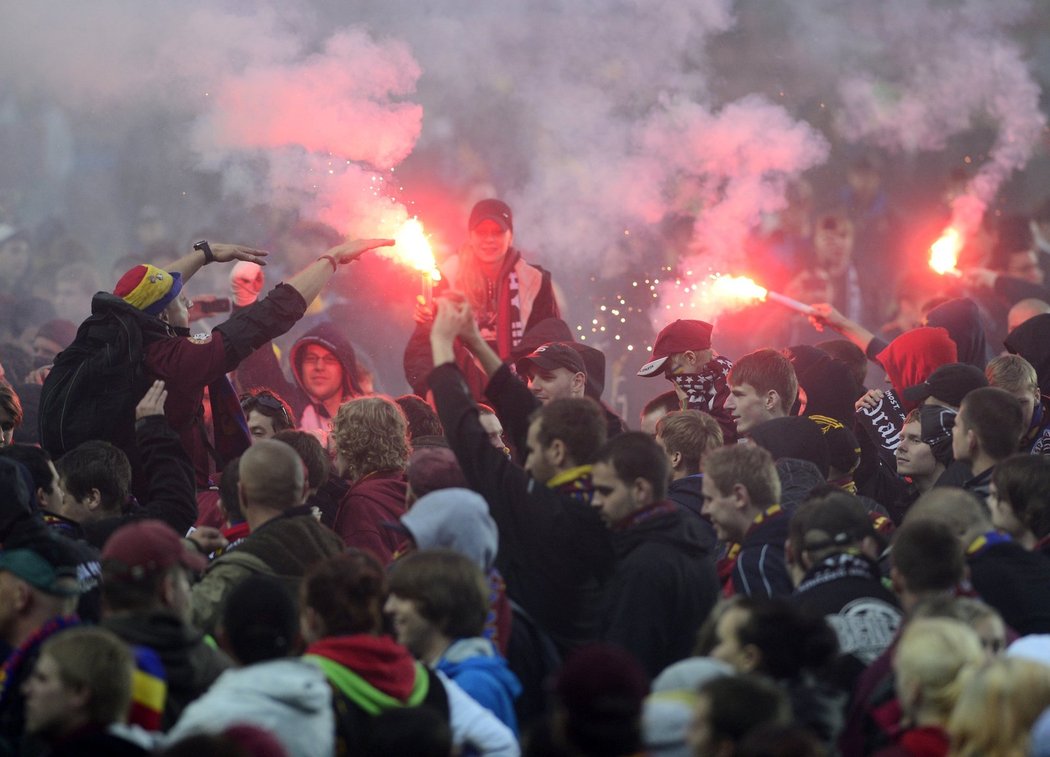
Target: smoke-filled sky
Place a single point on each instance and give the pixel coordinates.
(597, 121)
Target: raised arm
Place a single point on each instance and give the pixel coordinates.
(171, 495)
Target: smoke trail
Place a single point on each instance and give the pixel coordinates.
(284, 107)
(946, 70)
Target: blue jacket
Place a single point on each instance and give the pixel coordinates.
(475, 665)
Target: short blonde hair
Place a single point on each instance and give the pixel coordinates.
(691, 433)
(932, 653)
(997, 708)
(1012, 373)
(370, 435)
(745, 464)
(95, 659)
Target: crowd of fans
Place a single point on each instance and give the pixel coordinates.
(211, 546)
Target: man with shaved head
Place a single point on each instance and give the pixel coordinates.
(285, 538)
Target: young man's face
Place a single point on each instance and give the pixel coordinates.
(412, 630)
(1029, 399)
(554, 384)
(50, 704)
(724, 511)
(914, 456)
(7, 428)
(322, 373)
(538, 463)
(960, 437)
(260, 426)
(612, 496)
(747, 406)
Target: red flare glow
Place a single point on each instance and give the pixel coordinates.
(944, 253)
(412, 248)
(732, 292)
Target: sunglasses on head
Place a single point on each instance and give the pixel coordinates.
(264, 399)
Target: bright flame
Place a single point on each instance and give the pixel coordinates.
(735, 291)
(412, 248)
(944, 253)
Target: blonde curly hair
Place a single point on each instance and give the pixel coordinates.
(370, 434)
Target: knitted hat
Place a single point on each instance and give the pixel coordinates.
(148, 288)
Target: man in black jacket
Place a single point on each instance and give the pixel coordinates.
(686, 436)
(833, 553)
(554, 552)
(146, 573)
(664, 584)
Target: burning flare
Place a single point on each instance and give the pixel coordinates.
(412, 248)
(944, 253)
(733, 292)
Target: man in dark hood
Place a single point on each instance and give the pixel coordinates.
(325, 368)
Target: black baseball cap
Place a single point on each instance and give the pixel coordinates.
(948, 383)
(551, 356)
(492, 210)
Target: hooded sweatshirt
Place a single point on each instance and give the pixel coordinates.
(914, 355)
(458, 519)
(476, 666)
(375, 673)
(290, 698)
(962, 319)
(315, 418)
(663, 586)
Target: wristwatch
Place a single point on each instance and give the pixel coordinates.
(204, 247)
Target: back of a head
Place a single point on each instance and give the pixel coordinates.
(421, 417)
(660, 405)
(745, 464)
(433, 468)
(370, 434)
(310, 451)
(997, 708)
(36, 461)
(928, 556)
(449, 590)
(850, 354)
(259, 620)
(740, 704)
(789, 639)
(957, 508)
(1024, 482)
(455, 518)
(794, 437)
(996, 419)
(94, 659)
(272, 476)
(1012, 373)
(578, 422)
(767, 370)
(600, 688)
(775, 740)
(830, 523)
(635, 455)
(347, 592)
(690, 433)
(98, 465)
(932, 655)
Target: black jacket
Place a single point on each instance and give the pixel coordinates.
(191, 665)
(760, 570)
(1015, 582)
(555, 552)
(662, 589)
(686, 493)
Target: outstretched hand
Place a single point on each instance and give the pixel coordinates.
(153, 402)
(224, 253)
(352, 249)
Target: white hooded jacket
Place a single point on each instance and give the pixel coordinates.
(289, 698)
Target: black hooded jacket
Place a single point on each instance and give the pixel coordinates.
(1031, 340)
(663, 587)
